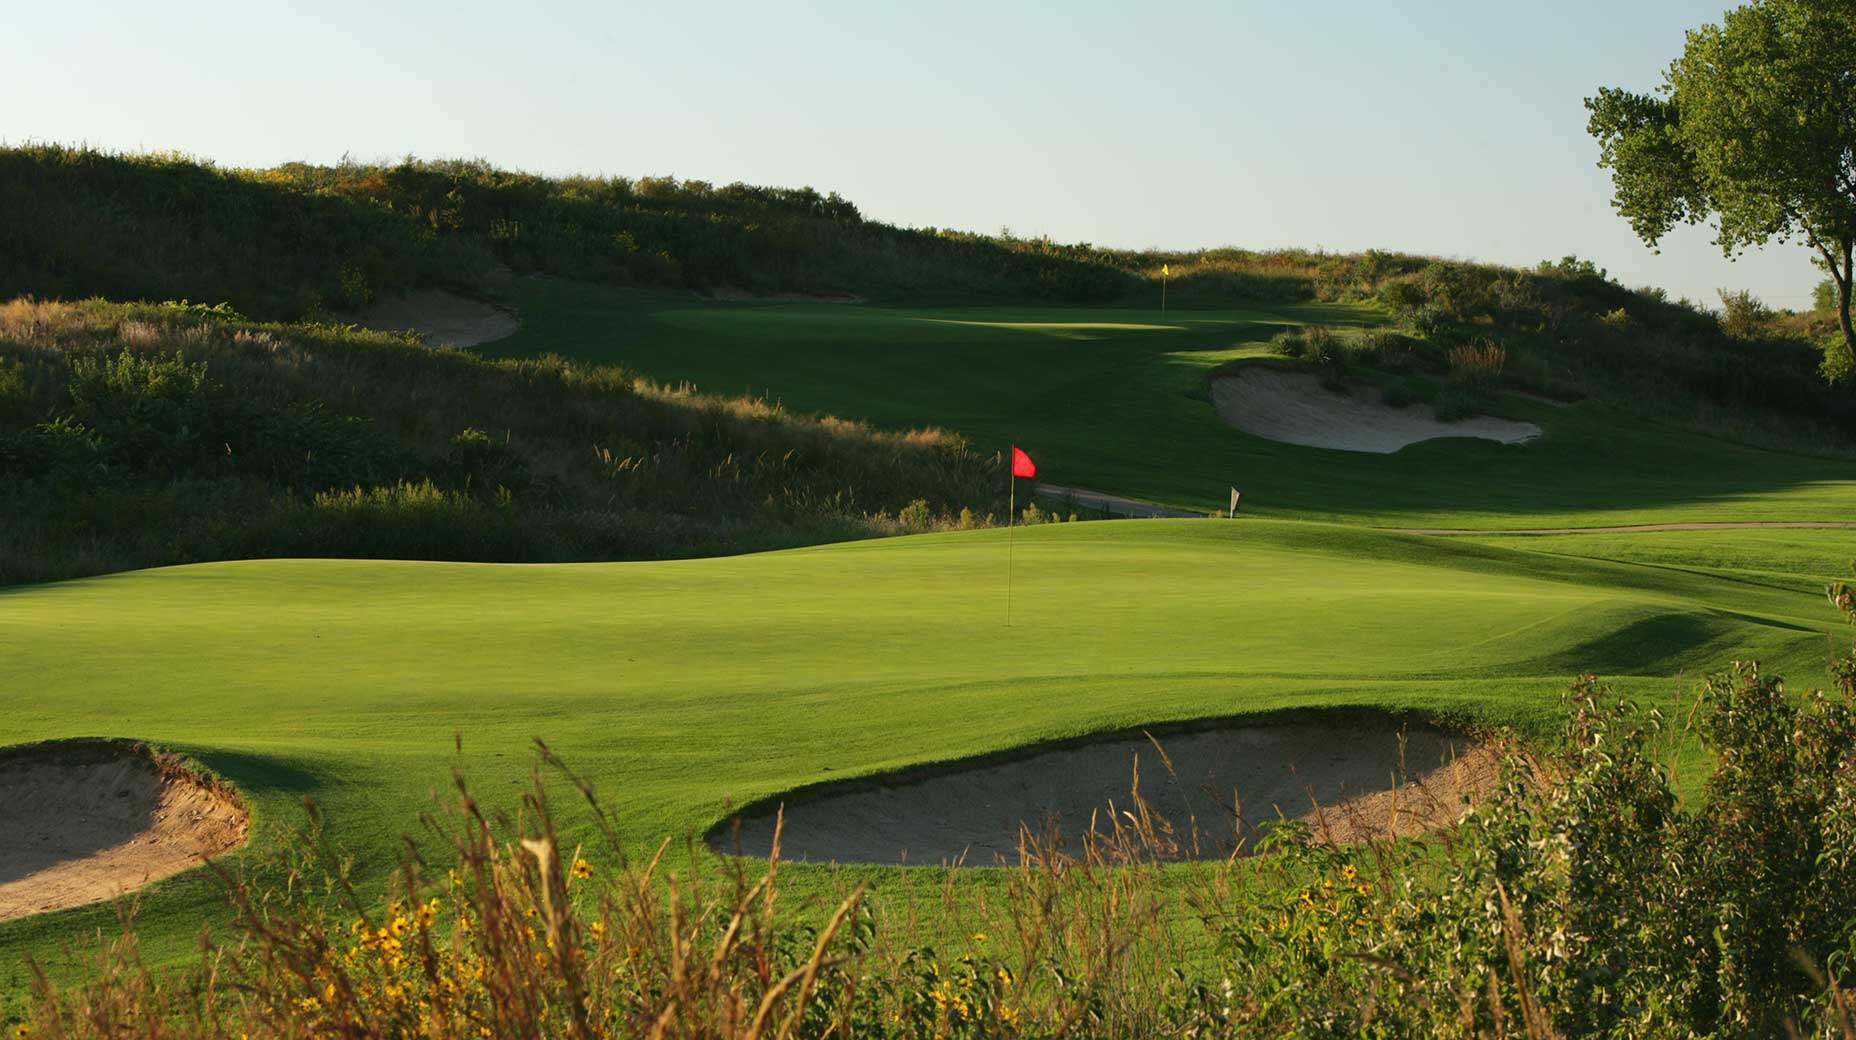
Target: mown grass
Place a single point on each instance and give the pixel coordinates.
(682, 687)
(1113, 399)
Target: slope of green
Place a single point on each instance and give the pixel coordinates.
(1114, 399)
(682, 687)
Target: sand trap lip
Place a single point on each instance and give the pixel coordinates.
(729, 294)
(83, 821)
(445, 319)
(1349, 780)
(1294, 408)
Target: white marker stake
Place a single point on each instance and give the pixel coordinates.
(1233, 502)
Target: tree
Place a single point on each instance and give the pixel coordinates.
(1754, 125)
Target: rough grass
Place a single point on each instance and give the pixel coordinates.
(140, 435)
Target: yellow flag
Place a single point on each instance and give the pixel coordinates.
(1165, 271)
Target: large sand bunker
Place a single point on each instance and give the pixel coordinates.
(1348, 781)
(445, 319)
(82, 821)
(1293, 407)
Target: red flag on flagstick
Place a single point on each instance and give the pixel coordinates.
(1022, 466)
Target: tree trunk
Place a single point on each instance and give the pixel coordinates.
(1845, 279)
(1843, 318)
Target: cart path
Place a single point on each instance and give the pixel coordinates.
(1102, 501)
(1628, 528)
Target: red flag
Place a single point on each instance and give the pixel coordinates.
(1022, 466)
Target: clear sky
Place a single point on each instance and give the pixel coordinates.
(1451, 127)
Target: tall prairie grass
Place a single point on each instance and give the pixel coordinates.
(137, 435)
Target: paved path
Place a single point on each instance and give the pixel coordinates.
(1627, 528)
(1102, 502)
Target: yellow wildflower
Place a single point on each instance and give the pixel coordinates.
(582, 869)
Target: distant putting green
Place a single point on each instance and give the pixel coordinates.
(682, 687)
(1114, 399)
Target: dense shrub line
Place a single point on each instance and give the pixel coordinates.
(1581, 900)
(303, 241)
(139, 435)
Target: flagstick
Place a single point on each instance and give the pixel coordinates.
(1011, 514)
(1163, 296)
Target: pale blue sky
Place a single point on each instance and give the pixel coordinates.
(1434, 126)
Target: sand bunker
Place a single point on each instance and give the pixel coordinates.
(82, 821)
(729, 294)
(445, 319)
(1350, 782)
(1293, 407)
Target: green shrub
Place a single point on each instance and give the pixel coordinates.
(918, 516)
(61, 451)
(1837, 368)
(149, 412)
(1291, 344)
(476, 464)
(1743, 315)
(1319, 345)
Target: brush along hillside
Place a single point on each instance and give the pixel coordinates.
(1666, 406)
(141, 435)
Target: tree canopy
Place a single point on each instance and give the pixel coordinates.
(1754, 126)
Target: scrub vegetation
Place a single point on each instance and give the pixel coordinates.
(136, 435)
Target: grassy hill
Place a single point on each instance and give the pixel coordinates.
(143, 435)
(301, 241)
(1115, 398)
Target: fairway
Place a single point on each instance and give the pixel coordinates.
(683, 687)
(1116, 400)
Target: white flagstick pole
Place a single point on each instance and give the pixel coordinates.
(1011, 516)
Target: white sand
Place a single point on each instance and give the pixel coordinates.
(445, 319)
(1348, 781)
(85, 821)
(1293, 407)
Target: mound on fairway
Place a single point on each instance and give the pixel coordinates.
(1346, 781)
(89, 820)
(1293, 407)
(445, 319)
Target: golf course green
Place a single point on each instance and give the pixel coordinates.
(683, 688)
(1115, 400)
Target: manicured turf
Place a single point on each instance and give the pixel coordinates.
(683, 687)
(1114, 400)
(679, 687)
